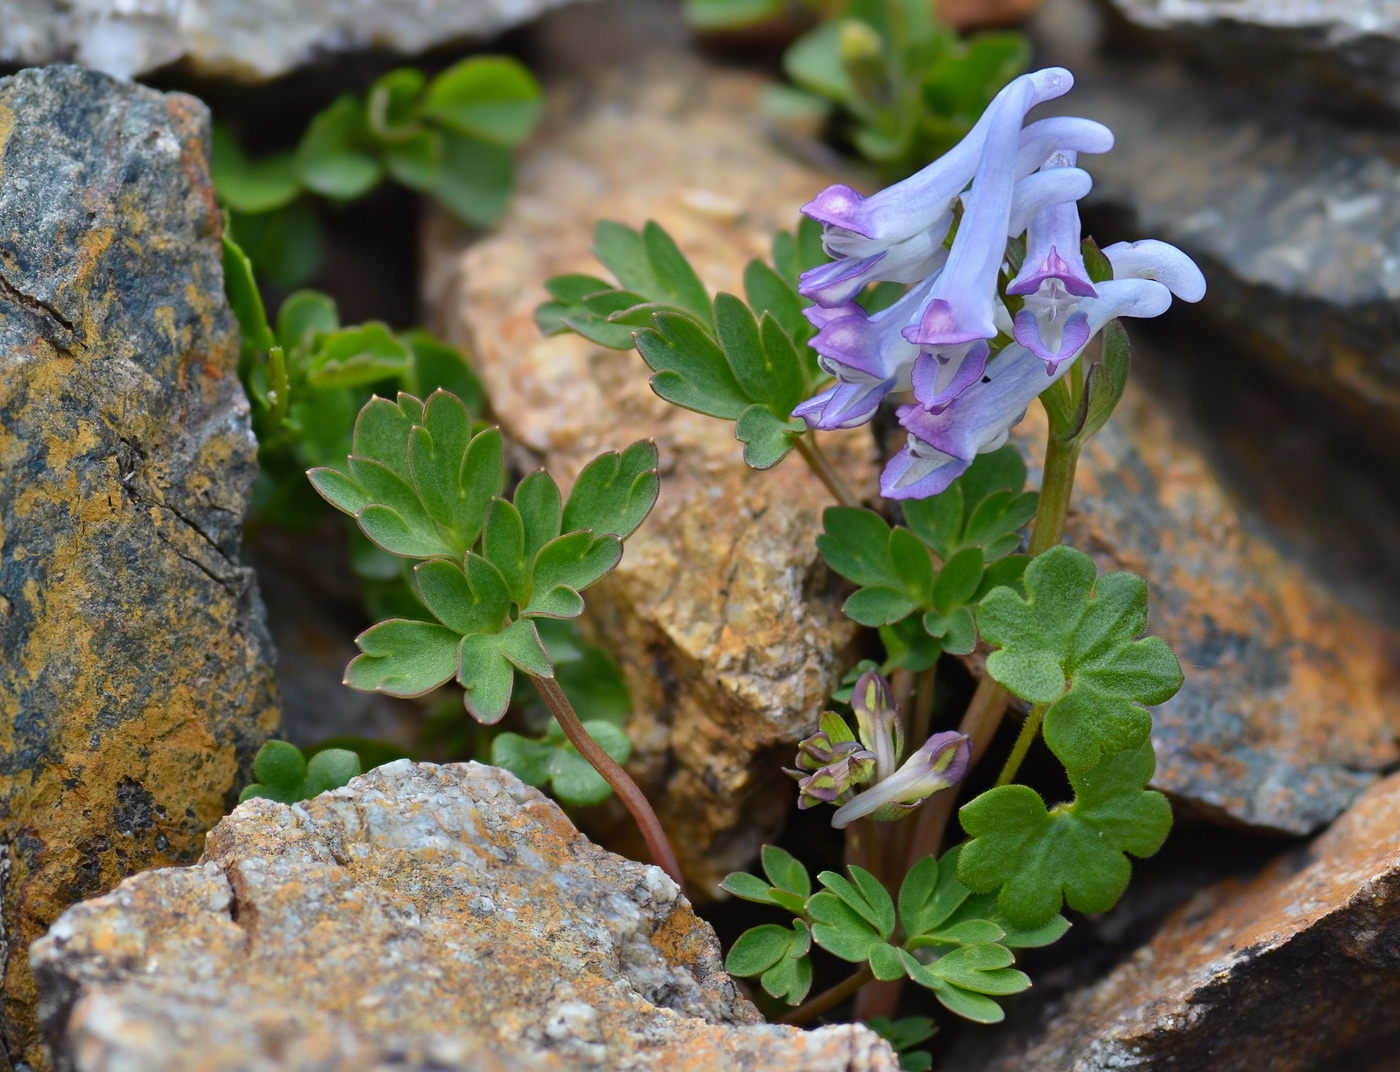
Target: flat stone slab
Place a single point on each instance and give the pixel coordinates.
(425, 919)
(136, 675)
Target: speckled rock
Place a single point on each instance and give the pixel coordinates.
(1324, 48)
(421, 918)
(1290, 703)
(1294, 221)
(720, 613)
(250, 40)
(136, 678)
(1297, 969)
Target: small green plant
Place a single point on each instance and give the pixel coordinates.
(450, 138)
(426, 483)
(904, 1034)
(937, 933)
(285, 775)
(901, 86)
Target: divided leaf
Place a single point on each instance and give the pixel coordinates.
(891, 565)
(1070, 644)
(779, 955)
(552, 761)
(403, 658)
(614, 493)
(1076, 852)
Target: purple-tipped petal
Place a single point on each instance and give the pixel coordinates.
(837, 282)
(1060, 133)
(1073, 276)
(937, 380)
(940, 764)
(1151, 259)
(1072, 339)
(839, 206)
(918, 475)
(844, 406)
(821, 315)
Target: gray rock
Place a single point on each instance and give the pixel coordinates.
(421, 918)
(1295, 222)
(249, 40)
(1334, 52)
(136, 679)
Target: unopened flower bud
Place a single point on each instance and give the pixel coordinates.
(878, 721)
(939, 764)
(834, 783)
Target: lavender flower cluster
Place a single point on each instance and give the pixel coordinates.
(1011, 179)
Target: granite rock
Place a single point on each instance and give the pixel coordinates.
(721, 614)
(248, 40)
(1296, 969)
(1294, 221)
(1288, 710)
(421, 918)
(1335, 52)
(136, 681)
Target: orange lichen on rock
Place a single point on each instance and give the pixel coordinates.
(137, 678)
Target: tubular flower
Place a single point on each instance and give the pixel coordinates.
(940, 341)
(861, 772)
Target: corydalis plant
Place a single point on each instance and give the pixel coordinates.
(424, 483)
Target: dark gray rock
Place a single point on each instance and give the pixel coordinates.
(136, 678)
(1295, 222)
(1336, 53)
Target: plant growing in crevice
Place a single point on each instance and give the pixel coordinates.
(967, 293)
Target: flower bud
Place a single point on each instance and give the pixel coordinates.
(939, 764)
(835, 782)
(878, 722)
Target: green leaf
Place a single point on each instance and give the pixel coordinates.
(476, 179)
(930, 894)
(520, 643)
(330, 769)
(840, 930)
(624, 252)
(338, 490)
(764, 362)
(503, 545)
(985, 508)
(417, 162)
(381, 434)
(614, 493)
(1070, 644)
(1104, 382)
(486, 675)
(1074, 853)
(769, 292)
(863, 893)
(250, 185)
(691, 369)
(538, 501)
(786, 872)
(730, 14)
(304, 315)
(244, 298)
(885, 962)
(285, 245)
(758, 949)
(438, 365)
(357, 356)
(891, 565)
(396, 520)
(767, 439)
(526, 759)
(676, 281)
(478, 482)
(437, 450)
(474, 601)
(791, 977)
(392, 104)
(494, 98)
(403, 658)
(814, 62)
(567, 565)
(280, 765)
(1099, 267)
(334, 158)
(958, 580)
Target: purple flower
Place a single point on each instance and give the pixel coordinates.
(939, 764)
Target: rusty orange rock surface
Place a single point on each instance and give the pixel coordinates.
(135, 675)
(721, 613)
(423, 917)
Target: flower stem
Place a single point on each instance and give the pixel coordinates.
(988, 705)
(655, 837)
(806, 445)
(1029, 729)
(829, 999)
